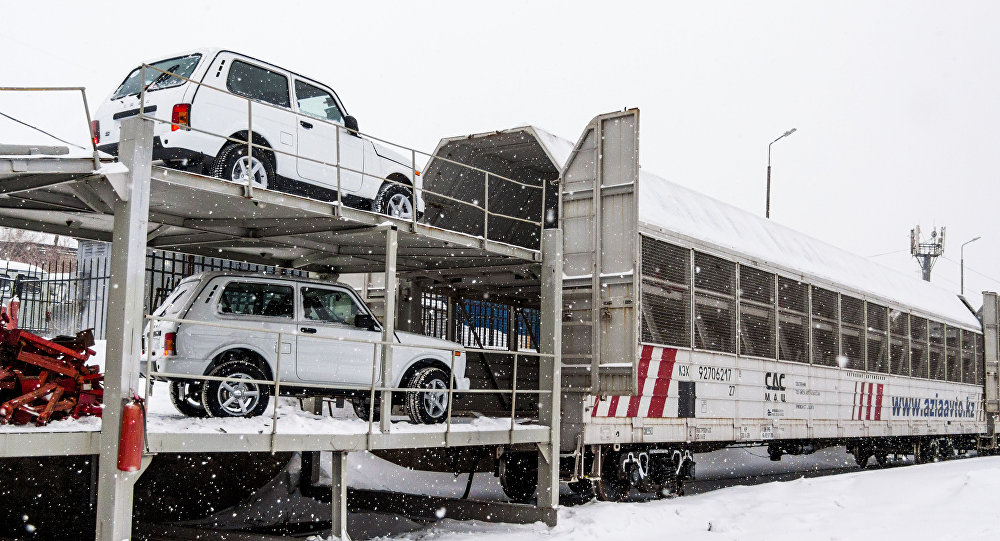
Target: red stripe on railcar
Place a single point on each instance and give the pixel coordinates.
(662, 385)
(633, 401)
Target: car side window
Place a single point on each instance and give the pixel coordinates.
(258, 84)
(257, 299)
(316, 102)
(329, 305)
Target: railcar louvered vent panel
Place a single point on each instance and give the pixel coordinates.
(968, 357)
(876, 317)
(714, 274)
(936, 365)
(756, 285)
(664, 261)
(757, 329)
(918, 347)
(824, 303)
(792, 294)
(980, 368)
(899, 339)
(666, 293)
(852, 310)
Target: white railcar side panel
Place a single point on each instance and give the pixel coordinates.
(686, 396)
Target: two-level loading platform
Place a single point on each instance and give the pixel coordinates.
(136, 205)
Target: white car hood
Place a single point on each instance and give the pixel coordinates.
(392, 155)
(412, 339)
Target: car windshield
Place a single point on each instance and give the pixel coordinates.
(183, 66)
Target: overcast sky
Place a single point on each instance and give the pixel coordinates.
(896, 103)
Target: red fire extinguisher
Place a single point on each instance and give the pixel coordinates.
(131, 440)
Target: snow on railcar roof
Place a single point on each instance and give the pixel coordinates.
(684, 211)
(689, 213)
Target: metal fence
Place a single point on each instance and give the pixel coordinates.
(64, 297)
(482, 324)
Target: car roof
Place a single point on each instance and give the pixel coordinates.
(211, 52)
(209, 275)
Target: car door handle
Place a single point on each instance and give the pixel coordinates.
(305, 124)
(308, 330)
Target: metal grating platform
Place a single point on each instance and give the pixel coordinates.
(213, 217)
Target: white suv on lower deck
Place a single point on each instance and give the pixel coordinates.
(298, 120)
(322, 332)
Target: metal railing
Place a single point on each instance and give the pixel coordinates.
(372, 388)
(416, 190)
(83, 97)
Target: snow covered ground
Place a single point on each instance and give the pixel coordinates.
(948, 500)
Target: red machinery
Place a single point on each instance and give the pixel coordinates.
(42, 380)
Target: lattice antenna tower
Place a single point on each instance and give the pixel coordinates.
(926, 252)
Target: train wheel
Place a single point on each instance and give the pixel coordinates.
(613, 485)
(861, 457)
(933, 451)
(882, 458)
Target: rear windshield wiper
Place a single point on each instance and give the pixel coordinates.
(163, 76)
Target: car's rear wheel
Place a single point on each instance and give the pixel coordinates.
(237, 396)
(431, 405)
(361, 408)
(185, 395)
(394, 200)
(233, 163)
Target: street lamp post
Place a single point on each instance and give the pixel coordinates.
(767, 212)
(962, 261)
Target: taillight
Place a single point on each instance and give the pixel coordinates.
(170, 343)
(180, 115)
(95, 131)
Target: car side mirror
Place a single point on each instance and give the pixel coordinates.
(351, 124)
(364, 321)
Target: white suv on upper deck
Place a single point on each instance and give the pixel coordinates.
(294, 115)
(325, 335)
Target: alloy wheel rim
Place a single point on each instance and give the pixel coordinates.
(238, 398)
(249, 165)
(436, 403)
(400, 206)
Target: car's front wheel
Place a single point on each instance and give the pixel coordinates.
(394, 200)
(428, 406)
(237, 396)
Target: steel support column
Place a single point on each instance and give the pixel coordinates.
(124, 324)
(338, 501)
(389, 323)
(550, 369)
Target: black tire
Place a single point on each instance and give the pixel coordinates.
(424, 407)
(361, 408)
(218, 396)
(519, 476)
(613, 486)
(388, 199)
(185, 395)
(225, 166)
(933, 453)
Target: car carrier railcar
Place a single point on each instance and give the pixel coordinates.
(690, 325)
